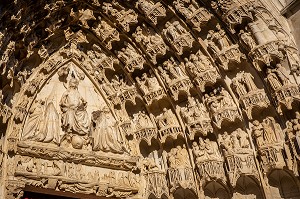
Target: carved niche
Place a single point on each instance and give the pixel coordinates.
(131, 58)
(175, 78)
(99, 60)
(180, 171)
(193, 13)
(208, 160)
(155, 176)
(222, 107)
(124, 17)
(150, 87)
(151, 42)
(284, 91)
(143, 127)
(107, 33)
(196, 118)
(223, 50)
(234, 12)
(238, 154)
(178, 36)
(168, 125)
(201, 70)
(153, 11)
(119, 90)
(271, 38)
(292, 133)
(269, 141)
(250, 97)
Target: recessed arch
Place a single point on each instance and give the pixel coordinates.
(283, 184)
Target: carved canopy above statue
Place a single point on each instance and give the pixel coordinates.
(148, 99)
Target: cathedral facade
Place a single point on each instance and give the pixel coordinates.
(149, 99)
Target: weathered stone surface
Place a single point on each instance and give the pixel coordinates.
(148, 99)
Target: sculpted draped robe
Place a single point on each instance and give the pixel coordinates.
(106, 136)
(34, 122)
(74, 117)
(43, 124)
(51, 129)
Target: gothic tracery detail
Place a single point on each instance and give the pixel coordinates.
(148, 99)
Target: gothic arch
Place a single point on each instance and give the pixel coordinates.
(283, 184)
(216, 190)
(150, 98)
(248, 187)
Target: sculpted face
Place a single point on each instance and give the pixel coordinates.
(73, 83)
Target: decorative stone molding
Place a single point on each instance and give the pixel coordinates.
(201, 70)
(193, 13)
(235, 12)
(152, 42)
(250, 96)
(196, 118)
(222, 107)
(144, 99)
(153, 11)
(178, 36)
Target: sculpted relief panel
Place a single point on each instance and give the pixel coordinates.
(149, 99)
(62, 111)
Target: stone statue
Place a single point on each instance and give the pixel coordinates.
(141, 120)
(75, 118)
(294, 61)
(212, 150)
(226, 99)
(145, 5)
(221, 37)
(258, 133)
(172, 158)
(105, 133)
(35, 120)
(226, 142)
(247, 38)
(277, 77)
(166, 119)
(206, 150)
(210, 43)
(151, 82)
(43, 123)
(267, 132)
(238, 87)
(51, 130)
(282, 74)
(273, 80)
(243, 83)
(248, 80)
(243, 138)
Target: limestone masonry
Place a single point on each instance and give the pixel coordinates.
(149, 99)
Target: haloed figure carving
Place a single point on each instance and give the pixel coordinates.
(74, 115)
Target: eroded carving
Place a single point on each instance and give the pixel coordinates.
(222, 107)
(250, 96)
(196, 118)
(175, 78)
(178, 36)
(201, 70)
